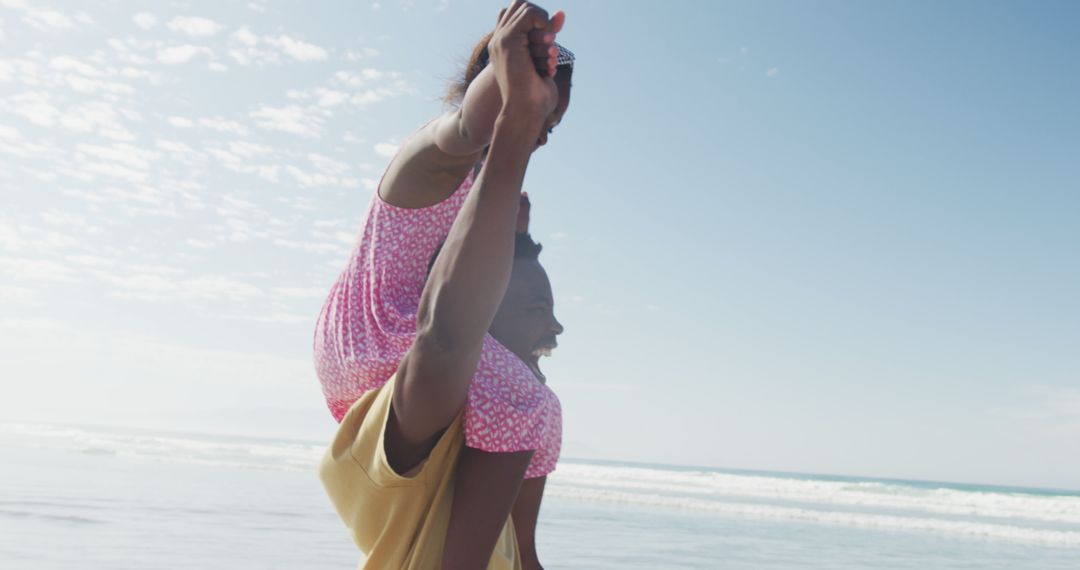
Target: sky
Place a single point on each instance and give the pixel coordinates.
(822, 237)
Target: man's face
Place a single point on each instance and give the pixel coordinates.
(525, 322)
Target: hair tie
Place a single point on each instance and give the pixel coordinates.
(566, 57)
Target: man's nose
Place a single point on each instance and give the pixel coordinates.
(556, 326)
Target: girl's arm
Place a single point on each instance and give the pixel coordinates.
(468, 130)
(431, 164)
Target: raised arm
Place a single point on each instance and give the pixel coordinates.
(469, 277)
(463, 292)
(433, 162)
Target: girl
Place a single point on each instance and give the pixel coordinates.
(380, 321)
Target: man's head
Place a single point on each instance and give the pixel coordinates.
(525, 322)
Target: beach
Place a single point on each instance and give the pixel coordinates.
(121, 498)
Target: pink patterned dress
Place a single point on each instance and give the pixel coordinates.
(369, 321)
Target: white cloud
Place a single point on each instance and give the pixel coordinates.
(386, 149)
(297, 49)
(36, 270)
(773, 72)
(219, 288)
(215, 66)
(291, 119)
(48, 20)
(331, 98)
(125, 154)
(306, 179)
(354, 79)
(279, 318)
(26, 238)
(174, 147)
(68, 63)
(300, 292)
(328, 165)
(371, 96)
(249, 150)
(145, 20)
(92, 115)
(222, 125)
(315, 247)
(244, 36)
(112, 170)
(10, 238)
(18, 295)
(327, 174)
(365, 53)
(176, 55)
(166, 284)
(223, 155)
(194, 26)
(81, 84)
(33, 106)
(258, 56)
(90, 260)
(363, 87)
(181, 122)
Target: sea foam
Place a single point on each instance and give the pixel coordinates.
(991, 513)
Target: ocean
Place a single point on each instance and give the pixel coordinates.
(100, 498)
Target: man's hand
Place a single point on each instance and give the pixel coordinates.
(523, 214)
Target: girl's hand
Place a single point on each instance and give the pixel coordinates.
(518, 48)
(542, 46)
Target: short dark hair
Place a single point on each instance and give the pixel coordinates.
(524, 248)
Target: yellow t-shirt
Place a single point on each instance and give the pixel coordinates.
(398, 522)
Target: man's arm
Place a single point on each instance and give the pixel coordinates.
(484, 493)
(525, 514)
(463, 291)
(469, 277)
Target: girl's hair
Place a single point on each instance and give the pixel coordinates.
(478, 60)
